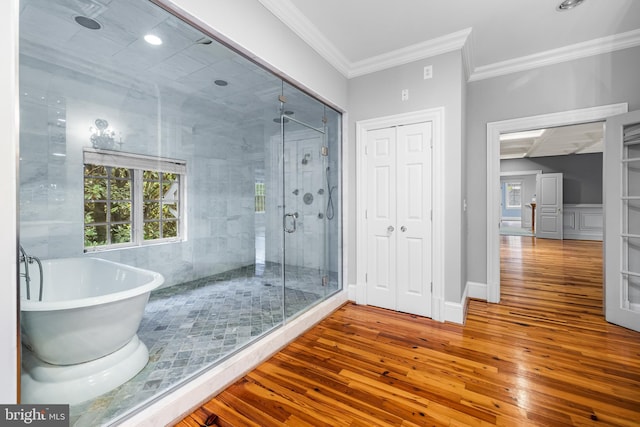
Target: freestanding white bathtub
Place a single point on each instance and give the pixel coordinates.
(80, 341)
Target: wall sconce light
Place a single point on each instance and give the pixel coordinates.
(102, 136)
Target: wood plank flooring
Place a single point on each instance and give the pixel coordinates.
(544, 356)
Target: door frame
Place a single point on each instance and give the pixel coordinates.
(616, 225)
(436, 116)
(494, 129)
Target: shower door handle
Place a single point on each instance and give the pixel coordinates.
(293, 216)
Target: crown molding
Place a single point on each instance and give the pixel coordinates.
(467, 55)
(405, 55)
(462, 40)
(286, 12)
(555, 56)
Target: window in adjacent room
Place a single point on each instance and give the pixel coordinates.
(514, 195)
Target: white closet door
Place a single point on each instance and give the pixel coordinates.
(399, 218)
(414, 219)
(381, 218)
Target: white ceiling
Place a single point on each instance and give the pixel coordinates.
(496, 37)
(577, 139)
(359, 36)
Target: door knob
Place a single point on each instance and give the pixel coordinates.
(390, 229)
(403, 228)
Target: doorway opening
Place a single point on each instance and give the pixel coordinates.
(494, 130)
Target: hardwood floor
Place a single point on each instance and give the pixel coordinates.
(543, 356)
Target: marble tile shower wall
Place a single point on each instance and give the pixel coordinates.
(220, 182)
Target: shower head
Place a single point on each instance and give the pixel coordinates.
(204, 40)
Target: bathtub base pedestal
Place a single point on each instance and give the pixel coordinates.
(73, 384)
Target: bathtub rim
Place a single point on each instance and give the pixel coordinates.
(156, 280)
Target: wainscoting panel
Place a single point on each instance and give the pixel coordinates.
(583, 222)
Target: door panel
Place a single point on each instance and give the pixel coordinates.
(622, 220)
(305, 256)
(380, 217)
(549, 210)
(399, 218)
(414, 219)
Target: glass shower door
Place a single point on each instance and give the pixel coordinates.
(305, 226)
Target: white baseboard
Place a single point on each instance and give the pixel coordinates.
(176, 405)
(477, 290)
(456, 312)
(573, 236)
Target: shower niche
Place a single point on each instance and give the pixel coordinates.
(260, 236)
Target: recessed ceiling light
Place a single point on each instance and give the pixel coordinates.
(221, 82)
(89, 23)
(522, 135)
(569, 4)
(152, 39)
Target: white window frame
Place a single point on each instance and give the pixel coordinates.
(138, 163)
(507, 194)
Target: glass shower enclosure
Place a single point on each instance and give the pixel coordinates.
(147, 143)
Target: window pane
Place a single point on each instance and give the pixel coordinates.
(121, 212)
(97, 211)
(170, 229)
(151, 230)
(170, 190)
(147, 175)
(152, 210)
(121, 173)
(95, 235)
(513, 195)
(166, 176)
(94, 170)
(121, 233)
(95, 189)
(170, 211)
(151, 190)
(120, 189)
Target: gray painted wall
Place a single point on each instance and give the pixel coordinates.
(378, 95)
(582, 179)
(598, 80)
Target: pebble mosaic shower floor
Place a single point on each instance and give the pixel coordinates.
(189, 327)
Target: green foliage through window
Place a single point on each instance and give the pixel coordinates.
(107, 205)
(118, 198)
